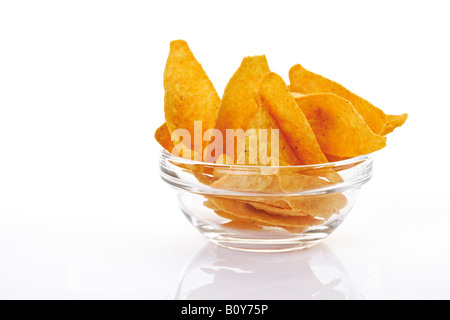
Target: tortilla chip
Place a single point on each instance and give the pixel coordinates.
(163, 137)
(237, 223)
(243, 210)
(274, 209)
(290, 119)
(339, 128)
(333, 158)
(242, 224)
(189, 94)
(238, 101)
(241, 109)
(307, 82)
(249, 182)
(321, 206)
(394, 122)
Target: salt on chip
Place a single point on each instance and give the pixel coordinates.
(307, 82)
(290, 119)
(339, 129)
(189, 94)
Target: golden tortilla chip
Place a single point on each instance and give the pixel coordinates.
(290, 119)
(241, 109)
(394, 122)
(307, 82)
(249, 182)
(333, 158)
(263, 122)
(243, 210)
(237, 223)
(242, 224)
(274, 209)
(189, 94)
(339, 128)
(320, 206)
(238, 101)
(163, 137)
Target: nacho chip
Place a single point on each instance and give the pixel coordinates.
(236, 222)
(307, 82)
(244, 210)
(189, 94)
(320, 206)
(238, 101)
(274, 209)
(263, 123)
(241, 109)
(163, 137)
(249, 182)
(242, 224)
(333, 158)
(323, 205)
(394, 122)
(291, 120)
(339, 128)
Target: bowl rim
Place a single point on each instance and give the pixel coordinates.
(361, 158)
(168, 161)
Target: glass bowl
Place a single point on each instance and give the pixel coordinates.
(266, 208)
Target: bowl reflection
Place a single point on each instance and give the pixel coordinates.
(216, 273)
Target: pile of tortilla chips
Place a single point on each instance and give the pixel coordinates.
(319, 121)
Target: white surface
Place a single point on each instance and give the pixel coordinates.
(83, 212)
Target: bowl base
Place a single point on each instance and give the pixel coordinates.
(261, 242)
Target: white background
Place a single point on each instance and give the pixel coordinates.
(83, 211)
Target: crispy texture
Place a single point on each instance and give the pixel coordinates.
(163, 137)
(274, 209)
(189, 94)
(236, 222)
(241, 108)
(246, 211)
(249, 182)
(333, 158)
(263, 124)
(238, 101)
(307, 82)
(320, 206)
(242, 224)
(318, 121)
(394, 122)
(338, 127)
(291, 120)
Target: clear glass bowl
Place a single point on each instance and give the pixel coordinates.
(266, 208)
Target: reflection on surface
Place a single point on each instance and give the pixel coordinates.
(219, 273)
